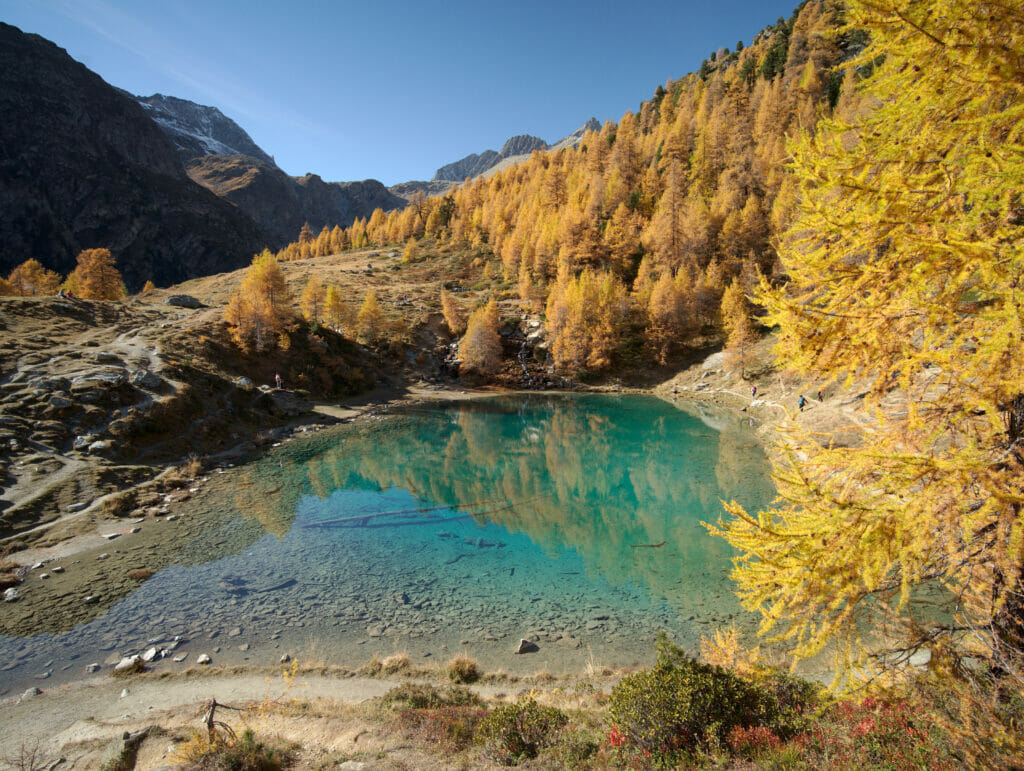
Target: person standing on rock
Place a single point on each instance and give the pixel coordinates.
(277, 381)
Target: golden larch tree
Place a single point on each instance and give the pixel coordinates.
(313, 300)
(480, 348)
(259, 314)
(452, 313)
(337, 312)
(96, 277)
(904, 261)
(739, 327)
(31, 279)
(370, 319)
(411, 250)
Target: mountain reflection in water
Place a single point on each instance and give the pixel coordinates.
(624, 486)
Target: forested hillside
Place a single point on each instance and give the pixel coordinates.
(635, 235)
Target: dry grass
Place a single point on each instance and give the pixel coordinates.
(462, 669)
(396, 662)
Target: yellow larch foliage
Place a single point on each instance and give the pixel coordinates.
(452, 313)
(411, 250)
(31, 279)
(313, 300)
(904, 260)
(370, 319)
(739, 327)
(337, 312)
(259, 314)
(480, 348)
(95, 277)
(584, 315)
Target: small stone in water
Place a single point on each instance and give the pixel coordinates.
(203, 659)
(102, 556)
(92, 668)
(57, 569)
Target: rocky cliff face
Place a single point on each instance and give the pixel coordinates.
(82, 165)
(281, 204)
(197, 130)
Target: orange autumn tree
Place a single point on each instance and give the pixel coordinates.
(370, 319)
(31, 279)
(338, 314)
(738, 325)
(480, 348)
(259, 314)
(314, 300)
(452, 313)
(96, 277)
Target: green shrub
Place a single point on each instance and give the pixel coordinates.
(678, 707)
(514, 732)
(425, 696)
(576, 748)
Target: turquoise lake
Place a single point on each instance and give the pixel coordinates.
(449, 527)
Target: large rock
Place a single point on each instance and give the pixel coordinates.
(288, 404)
(525, 646)
(143, 378)
(183, 301)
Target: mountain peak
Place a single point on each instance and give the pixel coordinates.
(198, 130)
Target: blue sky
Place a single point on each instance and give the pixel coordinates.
(394, 89)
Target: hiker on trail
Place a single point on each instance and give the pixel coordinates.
(280, 384)
(801, 403)
(753, 392)
(821, 394)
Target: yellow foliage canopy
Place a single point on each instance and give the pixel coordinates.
(905, 262)
(259, 314)
(480, 349)
(31, 279)
(95, 277)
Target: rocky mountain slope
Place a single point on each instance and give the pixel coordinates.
(280, 204)
(197, 130)
(219, 155)
(515, 149)
(82, 165)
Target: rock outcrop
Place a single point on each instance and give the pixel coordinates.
(82, 165)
